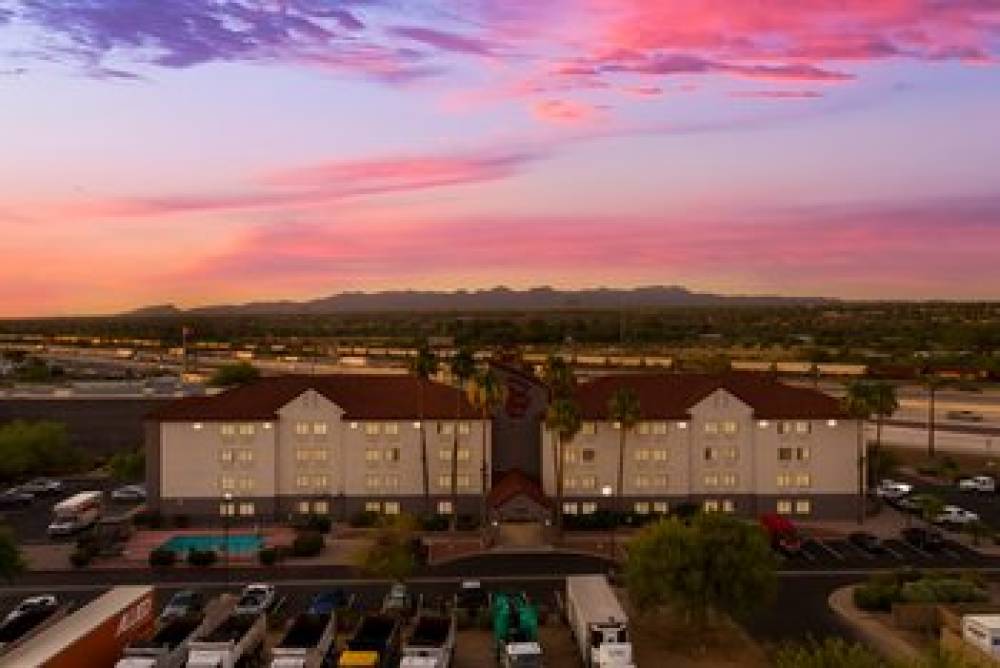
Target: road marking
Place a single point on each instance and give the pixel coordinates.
(891, 551)
(837, 555)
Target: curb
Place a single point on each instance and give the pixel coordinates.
(869, 628)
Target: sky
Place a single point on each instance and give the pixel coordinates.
(221, 151)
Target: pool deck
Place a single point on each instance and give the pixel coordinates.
(138, 547)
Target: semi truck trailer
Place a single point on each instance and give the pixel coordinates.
(307, 641)
(235, 642)
(598, 621)
(375, 643)
(432, 643)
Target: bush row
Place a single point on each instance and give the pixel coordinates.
(911, 586)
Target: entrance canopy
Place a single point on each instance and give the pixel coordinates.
(517, 497)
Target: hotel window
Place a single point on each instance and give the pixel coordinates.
(711, 427)
(391, 428)
(803, 507)
(320, 481)
(446, 428)
(588, 428)
(464, 429)
(301, 429)
(784, 507)
(785, 454)
(227, 482)
(320, 429)
(803, 427)
(642, 455)
(661, 507)
(321, 507)
(302, 481)
(247, 430)
(659, 455)
(587, 455)
(588, 508)
(728, 506)
(802, 454)
(641, 507)
(464, 454)
(588, 482)
(711, 480)
(391, 481)
(785, 427)
(371, 428)
(732, 453)
(729, 427)
(660, 481)
(303, 455)
(226, 456)
(372, 481)
(391, 508)
(711, 454)
(729, 480)
(246, 484)
(710, 506)
(303, 507)
(784, 480)
(247, 509)
(444, 507)
(392, 455)
(641, 481)
(320, 455)
(227, 430)
(463, 481)
(569, 482)
(245, 456)
(444, 454)
(570, 455)
(570, 508)
(227, 509)
(372, 455)
(660, 429)
(643, 428)
(373, 507)
(444, 481)
(803, 480)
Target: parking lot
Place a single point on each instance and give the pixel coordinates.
(839, 553)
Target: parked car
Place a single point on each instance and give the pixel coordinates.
(42, 486)
(964, 416)
(955, 515)
(892, 489)
(182, 604)
(129, 493)
(15, 498)
(255, 599)
(328, 602)
(32, 605)
(866, 541)
(924, 539)
(980, 483)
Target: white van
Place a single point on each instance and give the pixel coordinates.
(76, 513)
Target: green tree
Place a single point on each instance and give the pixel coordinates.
(858, 405)
(714, 565)
(884, 403)
(933, 383)
(562, 418)
(128, 466)
(11, 562)
(232, 375)
(558, 376)
(390, 555)
(830, 653)
(487, 393)
(463, 366)
(624, 408)
(424, 365)
(32, 448)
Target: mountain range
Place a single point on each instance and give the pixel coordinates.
(493, 299)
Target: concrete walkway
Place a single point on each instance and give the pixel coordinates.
(872, 627)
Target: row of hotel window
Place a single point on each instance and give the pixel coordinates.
(784, 507)
(229, 483)
(372, 455)
(726, 427)
(711, 454)
(709, 480)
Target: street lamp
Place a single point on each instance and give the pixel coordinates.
(227, 509)
(606, 492)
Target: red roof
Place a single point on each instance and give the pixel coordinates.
(361, 396)
(513, 483)
(670, 396)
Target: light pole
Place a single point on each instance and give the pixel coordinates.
(606, 492)
(228, 507)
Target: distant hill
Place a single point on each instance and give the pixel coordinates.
(494, 299)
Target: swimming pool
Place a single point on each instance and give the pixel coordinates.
(239, 543)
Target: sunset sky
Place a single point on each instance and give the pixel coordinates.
(206, 151)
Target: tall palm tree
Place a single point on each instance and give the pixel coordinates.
(563, 419)
(463, 365)
(933, 382)
(858, 404)
(486, 392)
(625, 409)
(884, 403)
(425, 364)
(558, 376)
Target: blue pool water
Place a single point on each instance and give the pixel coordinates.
(238, 543)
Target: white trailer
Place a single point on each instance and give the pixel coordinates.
(237, 639)
(169, 646)
(598, 621)
(79, 511)
(432, 643)
(307, 641)
(983, 633)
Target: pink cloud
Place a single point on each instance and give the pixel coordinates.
(565, 111)
(769, 94)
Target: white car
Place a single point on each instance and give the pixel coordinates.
(956, 515)
(129, 493)
(891, 489)
(979, 483)
(28, 605)
(255, 599)
(42, 486)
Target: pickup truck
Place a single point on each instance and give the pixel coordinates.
(980, 483)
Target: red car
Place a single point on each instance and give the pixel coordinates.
(784, 537)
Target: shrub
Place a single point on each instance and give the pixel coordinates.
(160, 558)
(467, 522)
(268, 556)
(313, 522)
(80, 557)
(307, 544)
(433, 522)
(202, 557)
(942, 590)
(182, 521)
(875, 597)
(148, 518)
(364, 519)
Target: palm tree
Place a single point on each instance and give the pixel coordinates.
(933, 383)
(858, 404)
(558, 376)
(623, 408)
(563, 419)
(424, 365)
(486, 392)
(883, 403)
(463, 365)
